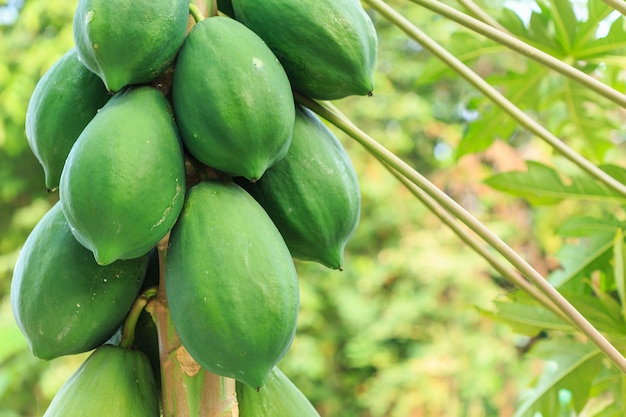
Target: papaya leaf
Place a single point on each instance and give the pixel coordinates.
(464, 45)
(541, 31)
(564, 23)
(569, 110)
(542, 185)
(582, 122)
(494, 123)
(582, 258)
(607, 394)
(601, 313)
(525, 315)
(588, 226)
(612, 307)
(597, 13)
(613, 43)
(571, 367)
(513, 22)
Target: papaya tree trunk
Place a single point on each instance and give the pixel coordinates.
(187, 389)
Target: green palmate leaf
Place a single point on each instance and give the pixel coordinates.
(601, 312)
(564, 23)
(571, 367)
(597, 12)
(588, 226)
(541, 184)
(569, 110)
(583, 118)
(465, 46)
(613, 43)
(608, 394)
(580, 259)
(525, 315)
(494, 123)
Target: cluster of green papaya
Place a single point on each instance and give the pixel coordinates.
(155, 124)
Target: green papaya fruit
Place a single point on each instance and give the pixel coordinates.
(312, 194)
(123, 184)
(231, 284)
(232, 99)
(65, 99)
(112, 381)
(327, 47)
(279, 397)
(62, 300)
(129, 42)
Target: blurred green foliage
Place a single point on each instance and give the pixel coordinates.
(398, 332)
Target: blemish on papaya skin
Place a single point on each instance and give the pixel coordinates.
(179, 189)
(257, 63)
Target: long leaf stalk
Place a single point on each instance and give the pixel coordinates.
(475, 244)
(489, 91)
(480, 14)
(334, 116)
(525, 49)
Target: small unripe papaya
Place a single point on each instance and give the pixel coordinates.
(232, 99)
(64, 101)
(231, 283)
(123, 184)
(113, 381)
(63, 301)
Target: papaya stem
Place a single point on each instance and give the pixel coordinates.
(196, 13)
(128, 332)
(334, 116)
(480, 14)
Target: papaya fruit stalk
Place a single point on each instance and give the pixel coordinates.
(187, 389)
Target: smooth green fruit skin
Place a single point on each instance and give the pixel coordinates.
(231, 284)
(112, 382)
(279, 397)
(63, 301)
(129, 42)
(327, 47)
(64, 101)
(312, 194)
(123, 184)
(232, 99)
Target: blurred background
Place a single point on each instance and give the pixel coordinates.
(399, 332)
